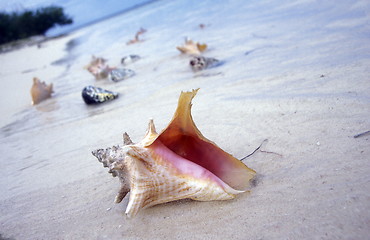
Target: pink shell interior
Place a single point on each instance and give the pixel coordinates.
(186, 142)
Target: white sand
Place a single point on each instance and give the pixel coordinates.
(304, 85)
(17, 69)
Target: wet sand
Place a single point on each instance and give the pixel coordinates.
(296, 73)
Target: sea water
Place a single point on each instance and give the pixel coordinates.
(83, 13)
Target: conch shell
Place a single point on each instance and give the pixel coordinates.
(192, 48)
(178, 163)
(136, 39)
(99, 68)
(40, 91)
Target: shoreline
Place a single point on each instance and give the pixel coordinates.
(21, 64)
(295, 74)
(28, 42)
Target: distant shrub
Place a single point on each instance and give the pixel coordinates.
(14, 26)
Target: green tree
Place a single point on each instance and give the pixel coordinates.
(16, 26)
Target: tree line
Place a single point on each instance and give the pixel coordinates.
(19, 25)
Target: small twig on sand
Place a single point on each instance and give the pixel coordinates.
(255, 150)
(272, 153)
(362, 134)
(259, 147)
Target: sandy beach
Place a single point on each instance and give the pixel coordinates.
(294, 72)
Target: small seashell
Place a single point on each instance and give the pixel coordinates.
(120, 74)
(95, 95)
(40, 91)
(99, 68)
(130, 59)
(178, 163)
(192, 48)
(198, 63)
(136, 39)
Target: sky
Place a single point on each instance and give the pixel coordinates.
(82, 12)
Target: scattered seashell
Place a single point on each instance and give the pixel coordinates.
(40, 91)
(178, 163)
(198, 63)
(94, 95)
(130, 59)
(192, 48)
(136, 39)
(120, 74)
(99, 68)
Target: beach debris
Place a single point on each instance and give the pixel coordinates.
(255, 150)
(95, 95)
(178, 163)
(259, 149)
(120, 74)
(136, 39)
(130, 59)
(249, 51)
(198, 75)
(202, 26)
(192, 48)
(198, 63)
(362, 134)
(99, 67)
(40, 91)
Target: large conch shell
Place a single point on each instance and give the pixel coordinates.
(178, 163)
(40, 91)
(192, 48)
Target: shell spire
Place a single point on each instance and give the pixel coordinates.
(176, 164)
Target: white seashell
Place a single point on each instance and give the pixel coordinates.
(130, 59)
(98, 68)
(176, 164)
(192, 48)
(120, 74)
(198, 63)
